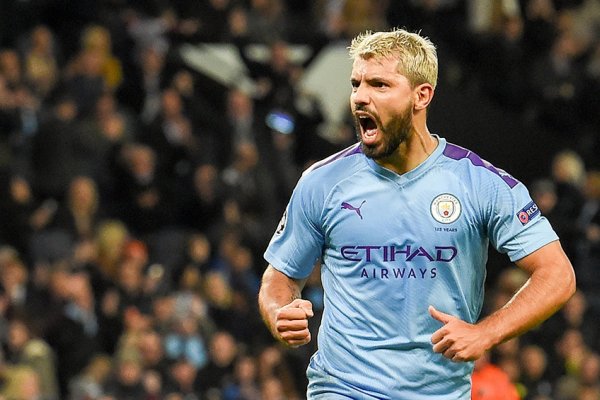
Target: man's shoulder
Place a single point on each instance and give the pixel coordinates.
(471, 163)
(340, 163)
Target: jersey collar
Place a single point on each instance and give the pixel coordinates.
(414, 173)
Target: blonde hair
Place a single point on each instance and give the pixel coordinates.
(417, 57)
(568, 166)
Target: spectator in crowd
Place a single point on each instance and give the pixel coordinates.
(11, 67)
(252, 190)
(223, 352)
(242, 122)
(197, 262)
(172, 136)
(14, 279)
(152, 352)
(97, 39)
(588, 244)
(42, 60)
(90, 383)
(276, 373)
(545, 194)
(504, 78)
(145, 203)
(204, 117)
(203, 208)
(244, 383)
(568, 173)
(185, 340)
(21, 383)
(266, 19)
(84, 79)
(534, 380)
(557, 83)
(101, 134)
(491, 383)
(70, 321)
(53, 149)
(18, 207)
(25, 349)
(143, 82)
(80, 214)
(183, 380)
(539, 27)
(126, 381)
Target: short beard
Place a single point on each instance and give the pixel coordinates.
(396, 132)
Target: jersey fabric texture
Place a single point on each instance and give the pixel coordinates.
(391, 245)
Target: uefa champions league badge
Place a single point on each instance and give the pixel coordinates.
(445, 208)
(282, 223)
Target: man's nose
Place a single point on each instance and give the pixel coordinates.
(360, 95)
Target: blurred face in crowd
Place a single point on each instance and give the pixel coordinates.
(18, 335)
(184, 373)
(20, 190)
(239, 104)
(171, 103)
(130, 372)
(10, 65)
(82, 193)
(245, 369)
(592, 185)
(152, 60)
(41, 39)
(223, 348)
(151, 348)
(534, 361)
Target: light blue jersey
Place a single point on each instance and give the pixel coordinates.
(391, 245)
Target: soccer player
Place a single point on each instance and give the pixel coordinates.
(402, 221)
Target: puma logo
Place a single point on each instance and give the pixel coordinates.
(348, 206)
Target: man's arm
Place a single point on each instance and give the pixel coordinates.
(284, 312)
(550, 285)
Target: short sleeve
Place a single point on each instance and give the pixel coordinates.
(298, 241)
(515, 223)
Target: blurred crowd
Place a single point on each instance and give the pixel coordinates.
(137, 195)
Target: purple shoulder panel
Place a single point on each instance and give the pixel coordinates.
(457, 153)
(354, 149)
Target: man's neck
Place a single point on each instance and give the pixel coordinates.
(411, 153)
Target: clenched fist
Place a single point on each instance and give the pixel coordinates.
(291, 322)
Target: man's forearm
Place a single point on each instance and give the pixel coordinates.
(544, 293)
(276, 291)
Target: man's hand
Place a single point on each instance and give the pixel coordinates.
(458, 340)
(291, 322)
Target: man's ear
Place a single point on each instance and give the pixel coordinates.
(423, 95)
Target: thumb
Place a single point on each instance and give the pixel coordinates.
(440, 316)
(305, 305)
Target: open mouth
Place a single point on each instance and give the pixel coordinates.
(368, 126)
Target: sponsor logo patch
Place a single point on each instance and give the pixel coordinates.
(527, 213)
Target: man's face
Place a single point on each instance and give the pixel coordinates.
(382, 106)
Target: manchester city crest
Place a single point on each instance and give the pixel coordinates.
(445, 208)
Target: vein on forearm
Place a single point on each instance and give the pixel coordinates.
(276, 291)
(542, 295)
